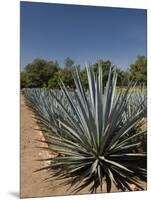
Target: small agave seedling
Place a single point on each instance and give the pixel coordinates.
(94, 140)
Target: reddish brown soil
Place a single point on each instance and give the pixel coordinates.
(31, 183)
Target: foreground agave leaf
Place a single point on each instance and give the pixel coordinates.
(96, 134)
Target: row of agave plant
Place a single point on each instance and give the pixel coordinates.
(96, 133)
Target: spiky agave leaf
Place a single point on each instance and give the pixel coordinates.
(95, 141)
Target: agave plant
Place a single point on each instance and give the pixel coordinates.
(94, 140)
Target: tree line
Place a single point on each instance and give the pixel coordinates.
(44, 73)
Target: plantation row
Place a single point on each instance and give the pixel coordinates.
(98, 133)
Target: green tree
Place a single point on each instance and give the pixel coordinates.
(123, 77)
(69, 63)
(66, 76)
(84, 78)
(53, 81)
(39, 72)
(138, 69)
(25, 81)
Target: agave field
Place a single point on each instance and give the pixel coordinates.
(99, 135)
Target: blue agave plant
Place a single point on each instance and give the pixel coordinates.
(94, 133)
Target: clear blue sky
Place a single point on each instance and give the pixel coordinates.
(84, 33)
